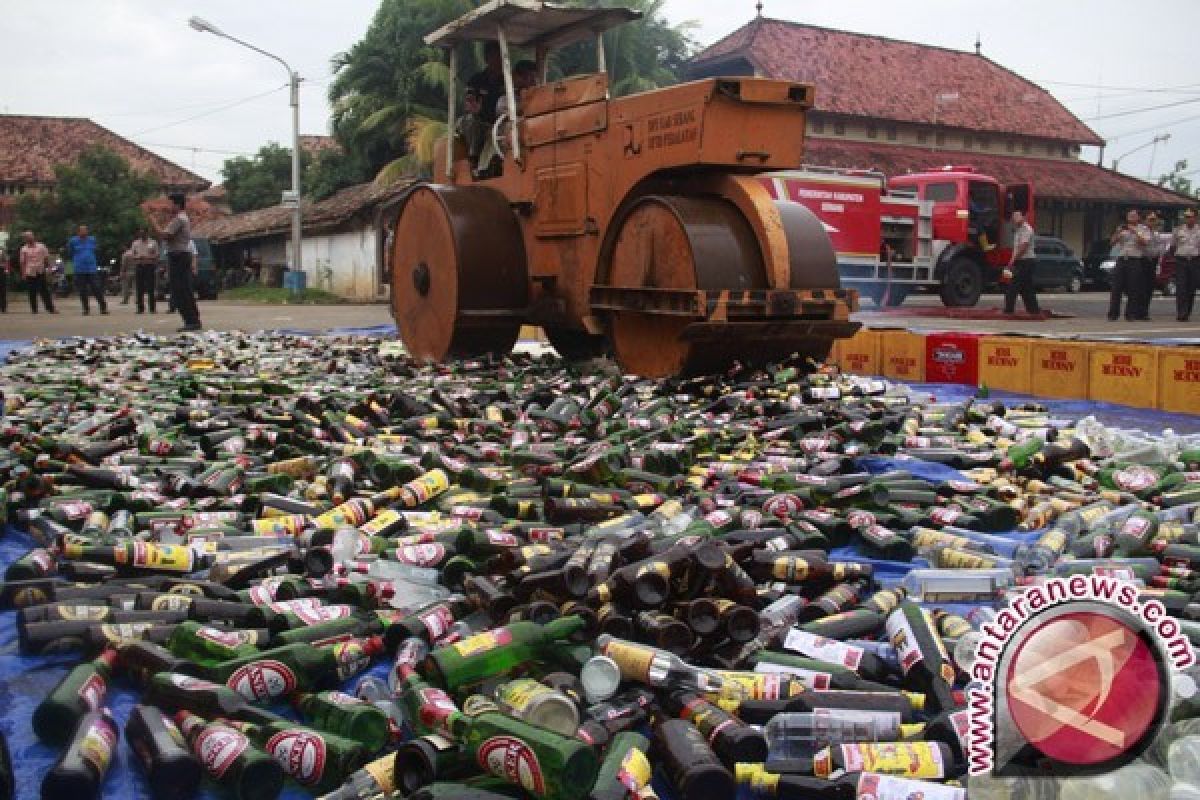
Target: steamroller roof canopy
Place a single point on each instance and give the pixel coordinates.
(529, 23)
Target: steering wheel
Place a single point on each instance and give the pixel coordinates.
(501, 119)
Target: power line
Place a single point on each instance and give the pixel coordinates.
(1141, 110)
(1189, 88)
(1160, 127)
(196, 149)
(219, 109)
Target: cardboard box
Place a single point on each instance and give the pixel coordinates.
(952, 357)
(902, 355)
(1060, 368)
(1006, 362)
(1179, 379)
(1123, 373)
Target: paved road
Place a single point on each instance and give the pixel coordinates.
(1088, 309)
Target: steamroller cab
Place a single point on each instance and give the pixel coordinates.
(633, 223)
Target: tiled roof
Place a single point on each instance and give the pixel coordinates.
(873, 76)
(1061, 180)
(331, 212)
(30, 147)
(198, 209)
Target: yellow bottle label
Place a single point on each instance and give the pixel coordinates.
(903, 759)
(384, 773)
(635, 770)
(482, 642)
(519, 694)
(287, 525)
(633, 661)
(173, 557)
(789, 569)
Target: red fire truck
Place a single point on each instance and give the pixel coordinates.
(947, 229)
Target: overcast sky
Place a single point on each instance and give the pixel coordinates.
(136, 67)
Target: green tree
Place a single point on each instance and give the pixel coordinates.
(389, 94)
(1177, 180)
(259, 182)
(332, 170)
(99, 190)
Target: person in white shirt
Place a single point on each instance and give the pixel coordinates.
(1021, 265)
(1185, 245)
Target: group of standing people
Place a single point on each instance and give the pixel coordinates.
(139, 264)
(1139, 249)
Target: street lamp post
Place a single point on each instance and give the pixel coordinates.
(294, 84)
(1162, 137)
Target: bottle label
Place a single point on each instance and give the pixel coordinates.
(790, 569)
(633, 660)
(352, 658)
(437, 621)
(482, 642)
(436, 707)
(1135, 527)
(189, 683)
(218, 747)
(1135, 479)
(173, 557)
(519, 694)
(98, 745)
(225, 638)
(92, 613)
(42, 560)
(511, 759)
(900, 634)
(903, 759)
(382, 771)
(960, 721)
(292, 606)
(263, 680)
(341, 699)
(421, 555)
(635, 771)
(810, 678)
(873, 786)
(92, 691)
(859, 519)
(125, 630)
(823, 649)
(944, 515)
(381, 522)
(301, 754)
(171, 602)
(502, 539)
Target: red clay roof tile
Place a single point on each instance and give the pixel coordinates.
(873, 76)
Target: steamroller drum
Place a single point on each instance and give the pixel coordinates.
(678, 242)
(459, 279)
(810, 252)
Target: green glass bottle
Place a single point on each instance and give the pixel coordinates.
(545, 764)
(345, 715)
(229, 758)
(208, 645)
(82, 690)
(496, 651)
(317, 761)
(279, 671)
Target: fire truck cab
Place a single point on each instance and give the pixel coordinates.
(946, 229)
(972, 226)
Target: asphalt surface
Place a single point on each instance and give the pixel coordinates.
(1087, 311)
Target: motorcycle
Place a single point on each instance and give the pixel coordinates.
(59, 280)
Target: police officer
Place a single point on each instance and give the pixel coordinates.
(1133, 238)
(1021, 265)
(1185, 245)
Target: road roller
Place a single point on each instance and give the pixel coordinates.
(632, 225)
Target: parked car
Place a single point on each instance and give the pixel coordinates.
(1093, 276)
(206, 281)
(1164, 273)
(1057, 265)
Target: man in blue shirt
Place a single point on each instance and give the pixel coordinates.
(82, 250)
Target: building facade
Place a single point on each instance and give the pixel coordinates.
(898, 107)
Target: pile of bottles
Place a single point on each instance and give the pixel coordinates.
(323, 564)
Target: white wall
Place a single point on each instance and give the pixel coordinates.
(342, 263)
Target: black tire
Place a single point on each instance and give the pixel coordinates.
(962, 283)
(575, 345)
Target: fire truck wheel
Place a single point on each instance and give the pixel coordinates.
(962, 283)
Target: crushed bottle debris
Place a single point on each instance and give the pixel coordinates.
(325, 565)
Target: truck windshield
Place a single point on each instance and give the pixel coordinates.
(941, 192)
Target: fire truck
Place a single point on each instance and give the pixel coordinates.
(946, 230)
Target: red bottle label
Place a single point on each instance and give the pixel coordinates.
(263, 680)
(511, 759)
(300, 753)
(218, 747)
(93, 690)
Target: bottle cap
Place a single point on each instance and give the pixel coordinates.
(600, 677)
